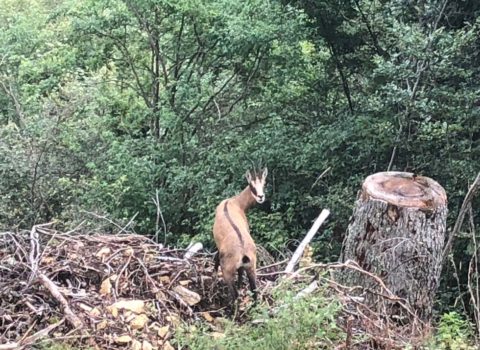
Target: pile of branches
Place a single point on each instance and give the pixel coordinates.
(102, 290)
(112, 291)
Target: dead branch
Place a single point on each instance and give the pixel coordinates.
(192, 250)
(299, 251)
(69, 315)
(461, 215)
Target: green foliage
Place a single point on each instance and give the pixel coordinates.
(104, 104)
(298, 324)
(454, 332)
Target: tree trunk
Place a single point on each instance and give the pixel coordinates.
(397, 233)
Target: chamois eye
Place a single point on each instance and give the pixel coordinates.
(254, 191)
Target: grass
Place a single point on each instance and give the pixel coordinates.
(301, 324)
(308, 323)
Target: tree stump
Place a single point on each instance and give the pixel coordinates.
(397, 233)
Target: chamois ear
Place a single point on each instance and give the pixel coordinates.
(264, 173)
(248, 176)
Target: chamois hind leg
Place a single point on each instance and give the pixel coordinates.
(216, 259)
(252, 277)
(229, 278)
(241, 271)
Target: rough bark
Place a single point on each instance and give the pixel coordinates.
(397, 232)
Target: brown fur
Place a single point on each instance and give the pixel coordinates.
(230, 248)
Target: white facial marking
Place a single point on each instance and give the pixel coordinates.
(257, 185)
(258, 192)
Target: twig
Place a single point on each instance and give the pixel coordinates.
(218, 109)
(76, 228)
(117, 281)
(461, 216)
(129, 223)
(299, 251)
(320, 176)
(473, 273)
(34, 255)
(156, 201)
(103, 217)
(272, 265)
(350, 264)
(394, 152)
(274, 273)
(457, 279)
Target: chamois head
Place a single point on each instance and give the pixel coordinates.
(256, 183)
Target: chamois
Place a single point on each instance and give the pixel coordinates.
(236, 248)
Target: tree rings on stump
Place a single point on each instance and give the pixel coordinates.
(405, 190)
(397, 233)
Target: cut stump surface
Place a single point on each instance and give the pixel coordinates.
(405, 190)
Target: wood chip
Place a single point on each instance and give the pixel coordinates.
(139, 321)
(163, 332)
(137, 306)
(95, 312)
(173, 319)
(128, 252)
(113, 310)
(85, 307)
(165, 279)
(136, 345)
(188, 296)
(146, 345)
(102, 325)
(47, 260)
(123, 339)
(208, 317)
(106, 287)
(103, 253)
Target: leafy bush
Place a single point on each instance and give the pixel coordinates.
(453, 332)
